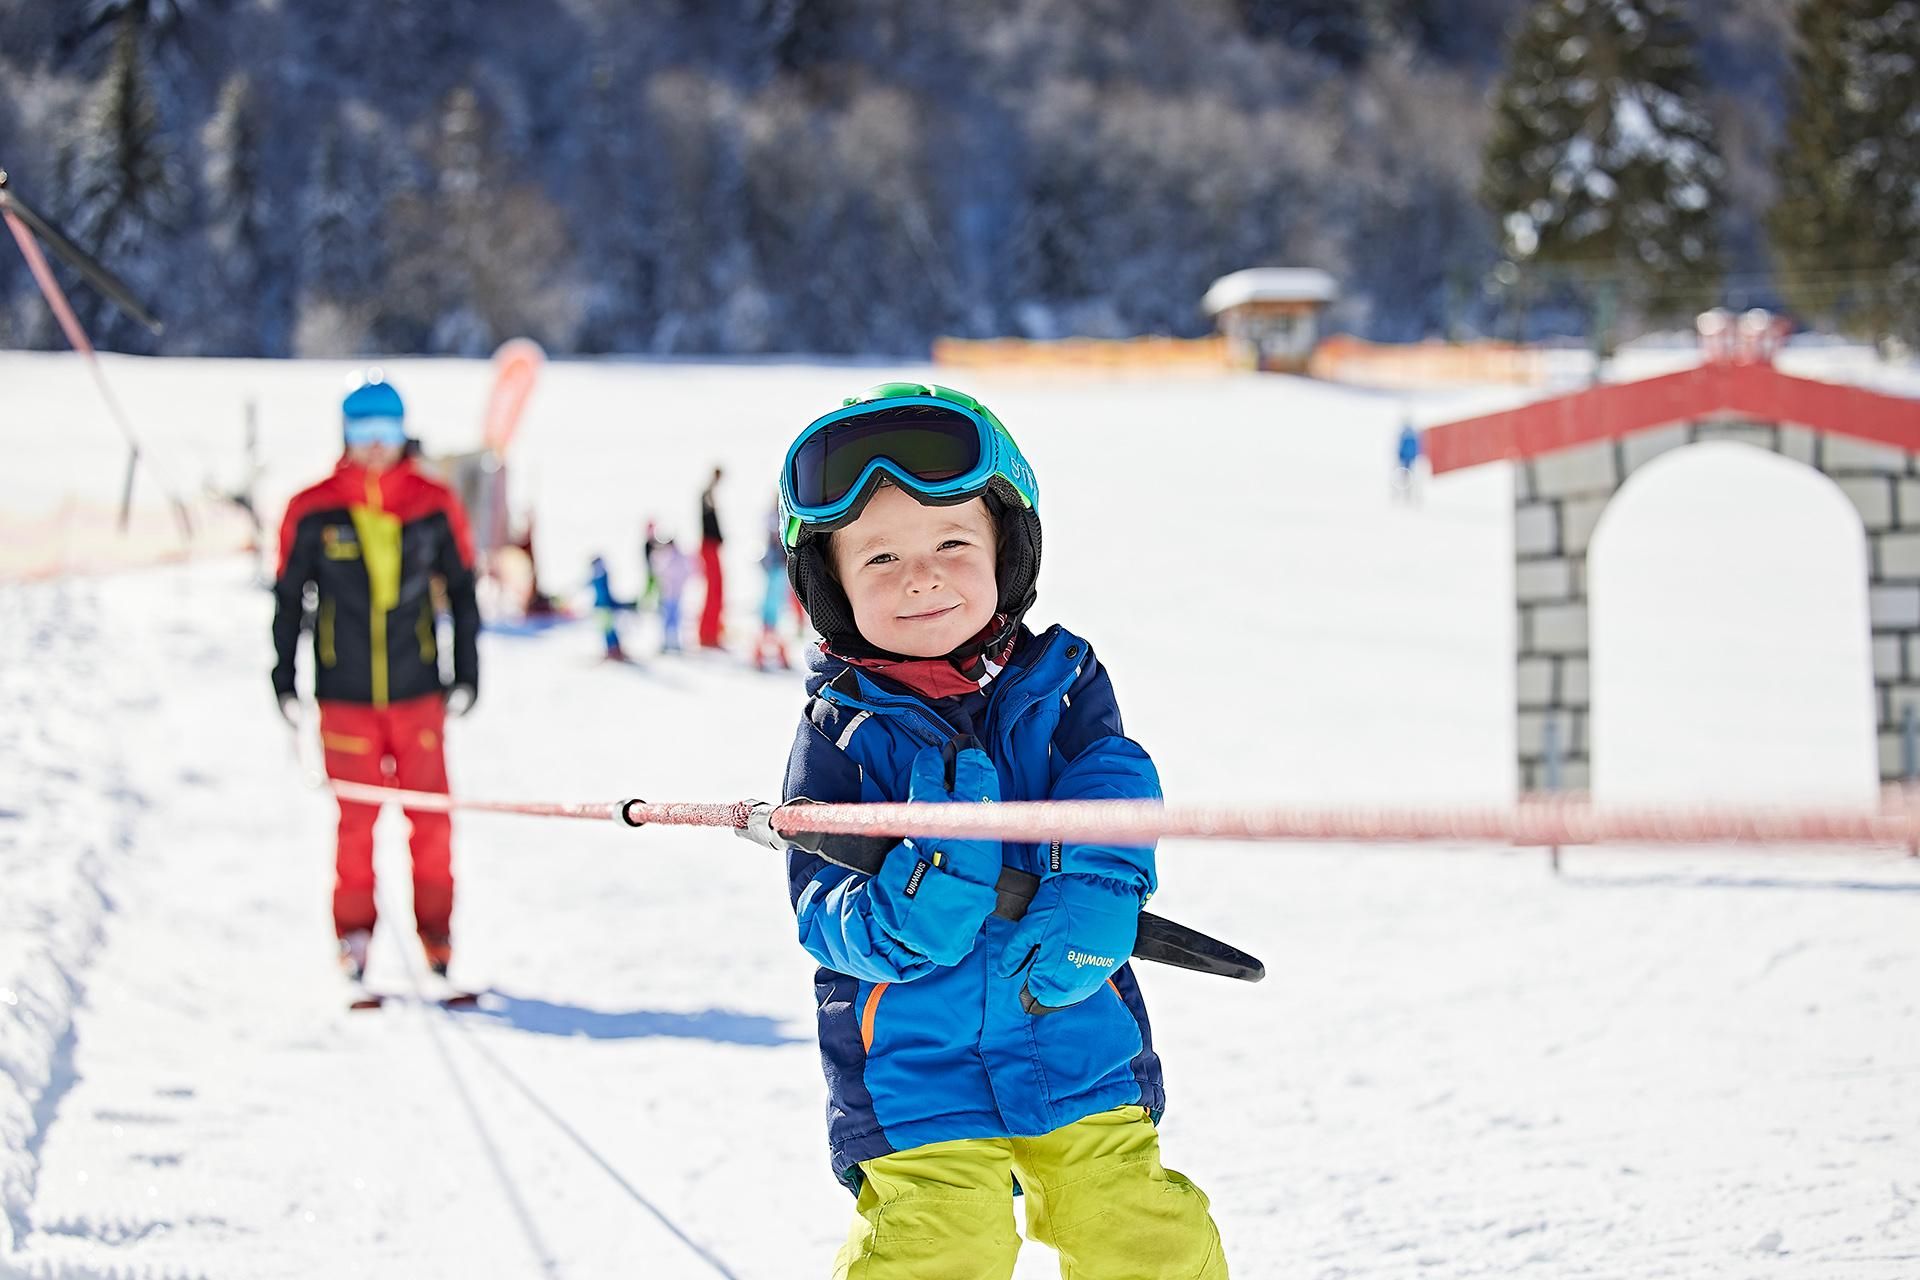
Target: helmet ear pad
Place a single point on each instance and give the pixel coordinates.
(1017, 563)
(810, 571)
(1016, 575)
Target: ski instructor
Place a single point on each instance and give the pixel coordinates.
(369, 539)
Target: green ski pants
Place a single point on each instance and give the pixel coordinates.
(1095, 1191)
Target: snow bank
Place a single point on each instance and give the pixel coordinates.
(63, 815)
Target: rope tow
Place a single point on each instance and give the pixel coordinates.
(29, 228)
(860, 836)
(1535, 820)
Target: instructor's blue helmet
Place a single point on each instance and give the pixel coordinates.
(373, 412)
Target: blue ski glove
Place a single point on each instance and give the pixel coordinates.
(1077, 932)
(932, 895)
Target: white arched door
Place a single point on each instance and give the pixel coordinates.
(1730, 636)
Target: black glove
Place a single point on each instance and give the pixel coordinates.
(460, 699)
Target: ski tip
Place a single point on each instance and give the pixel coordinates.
(461, 1000)
(368, 1001)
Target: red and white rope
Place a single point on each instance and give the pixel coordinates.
(1535, 820)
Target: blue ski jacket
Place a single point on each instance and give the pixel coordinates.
(915, 1052)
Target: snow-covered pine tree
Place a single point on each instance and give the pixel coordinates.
(615, 199)
(342, 246)
(478, 257)
(248, 314)
(164, 18)
(182, 43)
(1846, 228)
(1602, 167)
(705, 258)
(122, 194)
(1340, 30)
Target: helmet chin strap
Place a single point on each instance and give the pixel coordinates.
(992, 644)
(967, 669)
(966, 657)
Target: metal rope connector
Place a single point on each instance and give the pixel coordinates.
(758, 827)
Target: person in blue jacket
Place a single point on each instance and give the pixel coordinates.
(964, 1052)
(606, 607)
(1406, 456)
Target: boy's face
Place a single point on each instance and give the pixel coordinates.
(920, 579)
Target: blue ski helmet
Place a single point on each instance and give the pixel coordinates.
(373, 412)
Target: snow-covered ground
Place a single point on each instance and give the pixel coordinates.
(1701, 1064)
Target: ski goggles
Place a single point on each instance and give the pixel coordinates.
(939, 450)
(388, 431)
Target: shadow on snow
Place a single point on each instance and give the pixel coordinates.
(722, 1026)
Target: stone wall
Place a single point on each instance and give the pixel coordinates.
(1558, 499)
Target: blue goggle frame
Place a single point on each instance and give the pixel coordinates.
(999, 458)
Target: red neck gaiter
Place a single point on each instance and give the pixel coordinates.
(947, 677)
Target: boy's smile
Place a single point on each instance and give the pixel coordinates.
(920, 579)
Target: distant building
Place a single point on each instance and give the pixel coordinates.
(1270, 316)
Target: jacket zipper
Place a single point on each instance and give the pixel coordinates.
(930, 725)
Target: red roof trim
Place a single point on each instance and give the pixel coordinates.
(1614, 410)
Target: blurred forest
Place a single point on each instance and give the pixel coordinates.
(342, 177)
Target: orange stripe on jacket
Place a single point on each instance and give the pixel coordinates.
(866, 1016)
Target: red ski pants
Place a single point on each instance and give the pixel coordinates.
(710, 627)
(398, 744)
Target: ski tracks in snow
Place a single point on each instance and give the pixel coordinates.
(182, 1085)
(437, 1021)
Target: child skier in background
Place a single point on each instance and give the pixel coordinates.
(650, 589)
(605, 608)
(962, 1050)
(770, 650)
(671, 569)
(1406, 457)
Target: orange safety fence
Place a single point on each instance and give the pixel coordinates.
(1343, 358)
(1106, 355)
(1339, 358)
(85, 537)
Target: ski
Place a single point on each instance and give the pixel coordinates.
(363, 998)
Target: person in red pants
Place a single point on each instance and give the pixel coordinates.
(712, 630)
(367, 542)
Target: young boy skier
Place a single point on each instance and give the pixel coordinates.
(671, 569)
(606, 608)
(965, 1053)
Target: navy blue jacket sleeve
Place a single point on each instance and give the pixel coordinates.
(1093, 759)
(464, 601)
(289, 591)
(832, 905)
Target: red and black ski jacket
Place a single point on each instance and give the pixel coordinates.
(371, 546)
